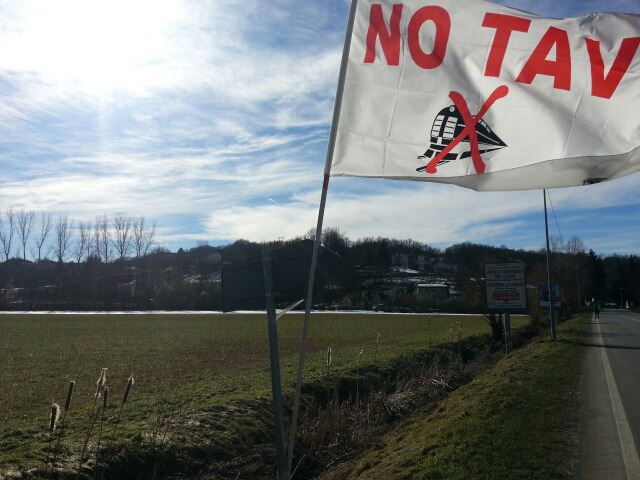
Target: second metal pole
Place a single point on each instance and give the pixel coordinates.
(274, 356)
(546, 229)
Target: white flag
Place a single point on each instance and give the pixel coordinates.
(479, 95)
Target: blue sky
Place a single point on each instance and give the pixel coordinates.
(211, 117)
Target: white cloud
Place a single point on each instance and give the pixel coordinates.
(429, 213)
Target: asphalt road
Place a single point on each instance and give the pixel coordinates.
(610, 430)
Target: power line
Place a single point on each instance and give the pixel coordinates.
(553, 210)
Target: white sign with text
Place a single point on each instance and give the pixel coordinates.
(506, 286)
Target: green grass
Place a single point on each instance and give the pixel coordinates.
(516, 420)
(199, 361)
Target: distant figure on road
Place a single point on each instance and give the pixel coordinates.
(596, 311)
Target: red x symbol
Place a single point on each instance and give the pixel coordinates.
(469, 131)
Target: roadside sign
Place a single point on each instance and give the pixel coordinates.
(556, 295)
(506, 286)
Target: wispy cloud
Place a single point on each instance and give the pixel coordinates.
(211, 116)
(435, 214)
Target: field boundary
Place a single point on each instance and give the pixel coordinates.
(240, 312)
(334, 408)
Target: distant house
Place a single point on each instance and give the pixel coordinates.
(400, 260)
(11, 294)
(214, 258)
(404, 270)
(444, 269)
(199, 279)
(433, 291)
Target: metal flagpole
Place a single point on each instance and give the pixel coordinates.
(274, 357)
(316, 246)
(546, 228)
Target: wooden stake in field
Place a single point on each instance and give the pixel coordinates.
(93, 415)
(54, 416)
(67, 406)
(105, 400)
(358, 377)
(125, 397)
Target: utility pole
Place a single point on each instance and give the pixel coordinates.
(546, 229)
(578, 284)
(621, 298)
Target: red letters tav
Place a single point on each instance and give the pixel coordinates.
(551, 55)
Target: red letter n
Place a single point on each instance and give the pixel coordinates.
(605, 86)
(505, 25)
(390, 41)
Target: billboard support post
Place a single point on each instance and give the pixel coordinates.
(508, 343)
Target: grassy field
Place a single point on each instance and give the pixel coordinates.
(516, 420)
(179, 361)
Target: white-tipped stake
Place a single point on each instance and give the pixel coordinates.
(127, 390)
(54, 416)
(67, 403)
(105, 399)
(102, 382)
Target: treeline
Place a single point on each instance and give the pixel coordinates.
(23, 232)
(56, 263)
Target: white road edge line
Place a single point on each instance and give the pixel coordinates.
(627, 444)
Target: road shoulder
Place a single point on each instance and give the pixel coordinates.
(607, 446)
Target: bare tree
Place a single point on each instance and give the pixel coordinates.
(6, 236)
(122, 235)
(95, 241)
(556, 243)
(575, 246)
(143, 236)
(83, 247)
(63, 237)
(310, 234)
(149, 239)
(45, 229)
(102, 238)
(25, 224)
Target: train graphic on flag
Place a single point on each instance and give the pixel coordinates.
(446, 127)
